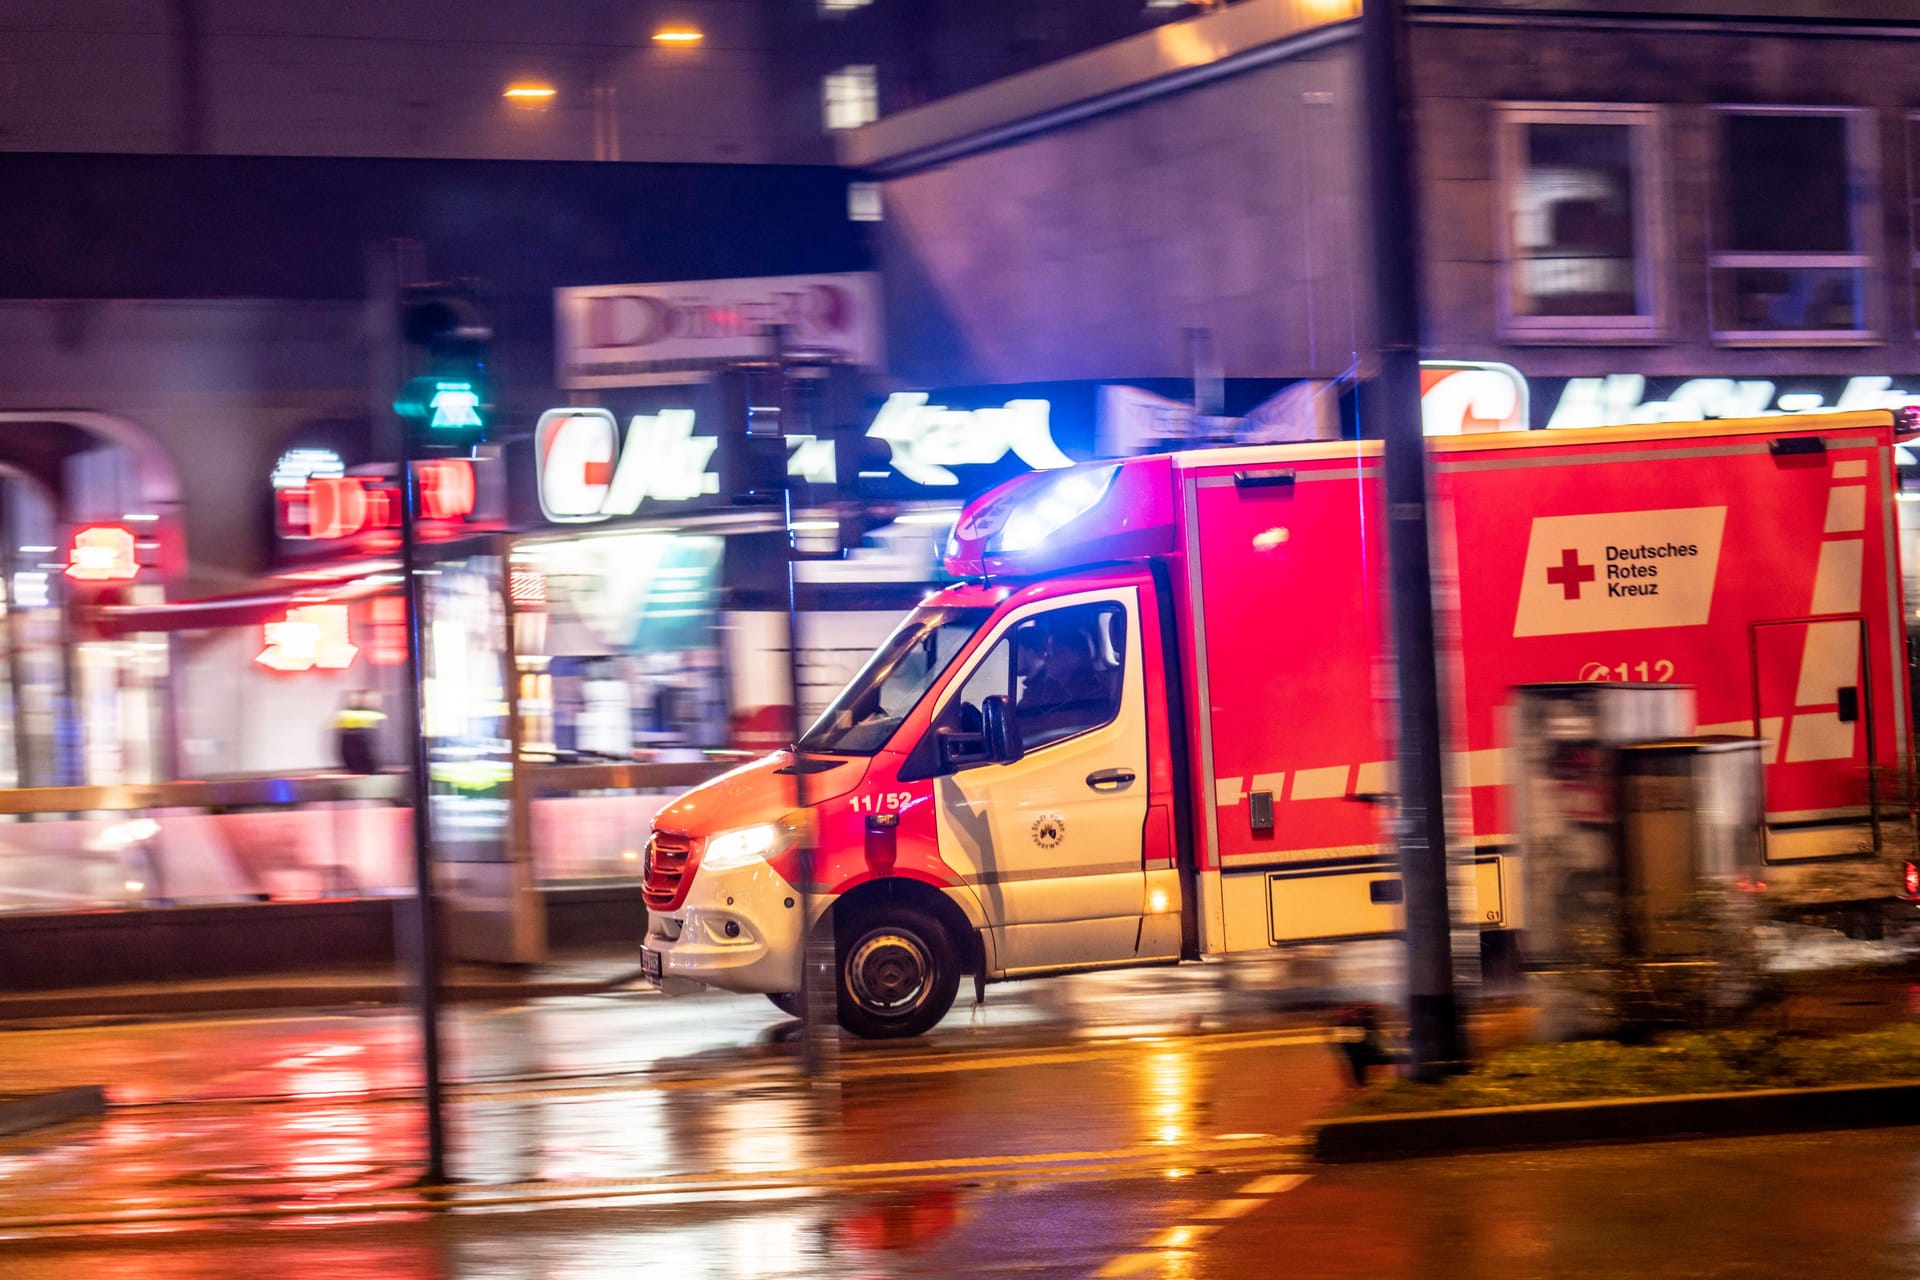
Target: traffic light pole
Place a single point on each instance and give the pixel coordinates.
(819, 981)
(1433, 1014)
(425, 915)
(819, 993)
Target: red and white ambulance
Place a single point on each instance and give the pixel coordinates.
(1148, 725)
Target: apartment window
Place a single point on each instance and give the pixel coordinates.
(1788, 264)
(863, 202)
(851, 97)
(1913, 192)
(1580, 214)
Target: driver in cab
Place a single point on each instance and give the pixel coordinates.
(1061, 691)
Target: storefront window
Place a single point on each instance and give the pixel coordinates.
(47, 743)
(1788, 260)
(617, 640)
(464, 707)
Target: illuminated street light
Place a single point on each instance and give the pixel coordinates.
(529, 94)
(678, 35)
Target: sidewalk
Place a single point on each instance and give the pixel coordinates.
(1810, 1002)
(586, 972)
(1843, 985)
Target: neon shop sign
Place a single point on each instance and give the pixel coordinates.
(587, 472)
(1621, 399)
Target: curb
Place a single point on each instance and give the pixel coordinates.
(292, 995)
(31, 1111)
(1433, 1133)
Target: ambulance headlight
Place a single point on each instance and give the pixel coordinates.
(741, 847)
(1053, 504)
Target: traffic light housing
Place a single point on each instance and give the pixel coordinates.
(447, 400)
(753, 437)
(772, 417)
(861, 466)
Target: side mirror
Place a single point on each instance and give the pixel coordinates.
(1002, 730)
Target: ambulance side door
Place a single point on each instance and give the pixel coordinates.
(1052, 840)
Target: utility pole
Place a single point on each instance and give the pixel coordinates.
(1421, 829)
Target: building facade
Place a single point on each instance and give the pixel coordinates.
(1692, 213)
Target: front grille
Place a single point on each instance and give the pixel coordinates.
(666, 869)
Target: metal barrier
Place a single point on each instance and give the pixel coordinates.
(572, 779)
(587, 823)
(222, 840)
(218, 793)
(291, 838)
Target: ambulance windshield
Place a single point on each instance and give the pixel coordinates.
(868, 711)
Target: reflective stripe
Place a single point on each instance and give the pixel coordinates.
(1836, 583)
(1846, 509)
(1829, 662)
(1281, 858)
(1052, 873)
(1320, 784)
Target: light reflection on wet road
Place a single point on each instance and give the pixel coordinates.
(634, 1096)
(1028, 1230)
(1840, 1204)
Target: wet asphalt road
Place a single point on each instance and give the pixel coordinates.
(631, 1099)
(1821, 1204)
(1133, 1124)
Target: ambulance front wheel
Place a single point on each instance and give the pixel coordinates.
(787, 1002)
(898, 973)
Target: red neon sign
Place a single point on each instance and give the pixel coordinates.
(310, 636)
(102, 553)
(446, 488)
(333, 507)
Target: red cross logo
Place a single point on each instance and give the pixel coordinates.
(1570, 574)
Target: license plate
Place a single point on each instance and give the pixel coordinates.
(650, 964)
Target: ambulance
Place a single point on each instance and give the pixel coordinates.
(1148, 723)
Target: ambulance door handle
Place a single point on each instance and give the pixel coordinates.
(1110, 780)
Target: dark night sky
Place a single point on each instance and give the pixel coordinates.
(114, 226)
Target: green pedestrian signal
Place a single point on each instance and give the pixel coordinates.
(445, 411)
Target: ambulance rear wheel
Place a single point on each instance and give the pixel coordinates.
(899, 972)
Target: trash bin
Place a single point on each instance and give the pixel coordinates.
(1565, 805)
(1690, 830)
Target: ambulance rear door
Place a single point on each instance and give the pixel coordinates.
(1284, 562)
